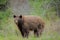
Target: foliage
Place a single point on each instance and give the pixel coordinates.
(44, 8)
(3, 1)
(4, 15)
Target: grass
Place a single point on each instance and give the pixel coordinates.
(11, 32)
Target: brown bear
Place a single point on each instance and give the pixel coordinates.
(29, 23)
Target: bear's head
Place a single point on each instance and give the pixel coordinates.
(18, 20)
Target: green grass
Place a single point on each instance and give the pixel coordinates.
(3, 1)
(9, 30)
(9, 33)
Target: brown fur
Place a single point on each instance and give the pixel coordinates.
(29, 23)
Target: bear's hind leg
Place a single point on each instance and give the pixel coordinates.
(36, 32)
(41, 29)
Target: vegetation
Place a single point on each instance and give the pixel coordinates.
(3, 1)
(45, 8)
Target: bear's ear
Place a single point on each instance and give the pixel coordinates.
(14, 16)
(20, 16)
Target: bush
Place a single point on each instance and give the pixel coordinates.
(3, 1)
(4, 15)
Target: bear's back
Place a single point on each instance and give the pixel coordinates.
(33, 20)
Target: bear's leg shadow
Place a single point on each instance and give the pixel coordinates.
(25, 33)
(36, 32)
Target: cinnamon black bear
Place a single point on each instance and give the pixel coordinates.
(29, 23)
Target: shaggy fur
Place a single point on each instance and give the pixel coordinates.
(29, 23)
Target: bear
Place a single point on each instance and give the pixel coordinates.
(27, 23)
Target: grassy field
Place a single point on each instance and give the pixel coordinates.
(9, 30)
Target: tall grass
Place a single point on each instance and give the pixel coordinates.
(9, 30)
(4, 15)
